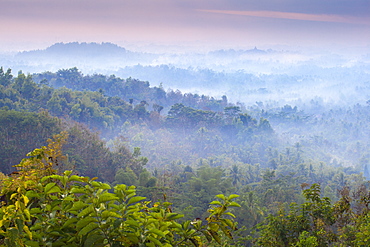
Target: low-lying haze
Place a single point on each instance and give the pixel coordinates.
(283, 50)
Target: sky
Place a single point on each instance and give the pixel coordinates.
(31, 24)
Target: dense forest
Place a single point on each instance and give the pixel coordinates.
(289, 177)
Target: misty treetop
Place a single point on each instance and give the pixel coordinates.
(187, 149)
(106, 102)
(128, 89)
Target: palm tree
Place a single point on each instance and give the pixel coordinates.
(235, 175)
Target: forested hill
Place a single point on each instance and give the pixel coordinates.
(134, 103)
(299, 176)
(84, 54)
(131, 90)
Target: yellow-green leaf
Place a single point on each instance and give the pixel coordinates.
(51, 188)
(216, 203)
(232, 196)
(154, 240)
(107, 197)
(25, 199)
(27, 231)
(86, 211)
(107, 214)
(135, 199)
(78, 205)
(157, 232)
(234, 204)
(221, 196)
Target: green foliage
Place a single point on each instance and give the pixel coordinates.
(21, 132)
(317, 222)
(44, 208)
(5, 78)
(220, 148)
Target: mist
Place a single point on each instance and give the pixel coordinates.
(193, 106)
(286, 76)
(279, 84)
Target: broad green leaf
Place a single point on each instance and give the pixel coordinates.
(228, 222)
(135, 199)
(32, 243)
(221, 196)
(100, 185)
(234, 204)
(57, 177)
(132, 223)
(69, 222)
(35, 211)
(61, 243)
(107, 197)
(86, 211)
(36, 227)
(154, 240)
(150, 221)
(54, 234)
(120, 187)
(71, 239)
(68, 172)
(96, 184)
(32, 193)
(75, 178)
(78, 190)
(78, 206)
(87, 229)
(157, 232)
(43, 179)
(94, 240)
(174, 216)
(232, 196)
(105, 186)
(186, 224)
(174, 224)
(230, 214)
(216, 203)
(132, 237)
(214, 227)
(117, 223)
(68, 198)
(51, 188)
(150, 244)
(107, 214)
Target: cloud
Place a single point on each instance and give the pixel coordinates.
(293, 16)
(218, 21)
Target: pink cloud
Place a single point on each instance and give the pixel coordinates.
(293, 16)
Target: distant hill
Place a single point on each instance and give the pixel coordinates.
(236, 53)
(83, 55)
(81, 49)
